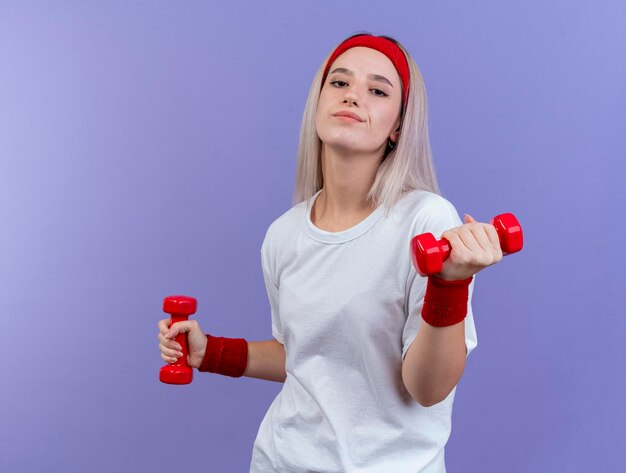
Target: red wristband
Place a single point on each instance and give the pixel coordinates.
(445, 302)
(227, 356)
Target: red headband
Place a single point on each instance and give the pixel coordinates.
(385, 46)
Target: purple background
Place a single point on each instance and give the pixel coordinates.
(145, 148)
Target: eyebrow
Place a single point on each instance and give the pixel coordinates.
(375, 77)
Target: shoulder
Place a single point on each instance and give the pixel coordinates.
(428, 212)
(283, 227)
(423, 202)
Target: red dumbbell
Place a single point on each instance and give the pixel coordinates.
(428, 254)
(179, 308)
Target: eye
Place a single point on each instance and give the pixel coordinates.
(340, 83)
(381, 94)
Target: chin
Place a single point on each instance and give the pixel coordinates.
(340, 139)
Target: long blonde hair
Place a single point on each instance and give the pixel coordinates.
(407, 167)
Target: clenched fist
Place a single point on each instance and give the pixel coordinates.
(171, 350)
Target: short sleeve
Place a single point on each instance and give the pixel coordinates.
(436, 216)
(268, 266)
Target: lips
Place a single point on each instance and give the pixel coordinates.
(354, 116)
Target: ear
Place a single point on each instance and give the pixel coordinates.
(396, 133)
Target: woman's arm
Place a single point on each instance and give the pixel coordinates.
(266, 360)
(434, 363)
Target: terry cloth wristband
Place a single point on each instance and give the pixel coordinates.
(227, 356)
(445, 302)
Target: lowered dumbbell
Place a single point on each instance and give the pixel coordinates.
(179, 308)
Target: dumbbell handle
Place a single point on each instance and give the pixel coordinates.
(428, 253)
(181, 339)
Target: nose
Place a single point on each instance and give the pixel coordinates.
(350, 97)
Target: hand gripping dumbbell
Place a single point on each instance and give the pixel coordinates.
(428, 254)
(179, 308)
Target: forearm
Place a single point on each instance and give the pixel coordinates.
(266, 360)
(434, 363)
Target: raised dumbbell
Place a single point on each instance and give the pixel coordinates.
(428, 253)
(179, 308)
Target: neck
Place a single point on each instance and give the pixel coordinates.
(347, 181)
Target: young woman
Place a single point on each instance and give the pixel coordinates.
(370, 353)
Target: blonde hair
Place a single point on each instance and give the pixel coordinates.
(407, 167)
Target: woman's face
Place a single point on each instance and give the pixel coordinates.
(362, 82)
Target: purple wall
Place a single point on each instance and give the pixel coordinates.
(145, 148)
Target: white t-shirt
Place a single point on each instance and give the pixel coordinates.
(346, 306)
